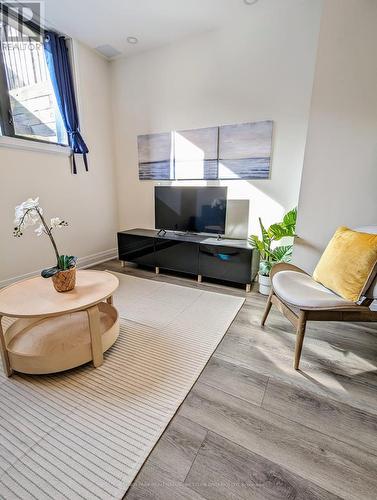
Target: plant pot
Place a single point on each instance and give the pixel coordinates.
(64, 281)
(264, 284)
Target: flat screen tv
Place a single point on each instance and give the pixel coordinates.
(192, 209)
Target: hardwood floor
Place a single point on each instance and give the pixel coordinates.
(253, 428)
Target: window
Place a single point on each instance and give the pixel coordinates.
(28, 107)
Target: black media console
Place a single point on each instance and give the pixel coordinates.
(227, 260)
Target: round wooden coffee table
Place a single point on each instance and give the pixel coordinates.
(58, 331)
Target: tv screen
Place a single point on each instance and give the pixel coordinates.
(193, 209)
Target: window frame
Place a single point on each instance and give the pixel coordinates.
(6, 117)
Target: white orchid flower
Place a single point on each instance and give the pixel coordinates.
(29, 219)
(56, 222)
(30, 213)
(27, 212)
(26, 205)
(30, 203)
(40, 230)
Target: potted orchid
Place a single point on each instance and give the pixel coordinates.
(30, 213)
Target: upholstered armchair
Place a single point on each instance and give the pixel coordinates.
(300, 299)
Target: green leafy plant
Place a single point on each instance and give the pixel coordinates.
(269, 253)
(64, 262)
(30, 213)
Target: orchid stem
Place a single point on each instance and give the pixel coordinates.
(49, 234)
(47, 230)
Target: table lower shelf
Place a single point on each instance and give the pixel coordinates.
(54, 344)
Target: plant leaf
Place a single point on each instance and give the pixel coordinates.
(290, 219)
(51, 271)
(282, 254)
(265, 236)
(256, 243)
(265, 267)
(278, 231)
(72, 261)
(285, 228)
(66, 262)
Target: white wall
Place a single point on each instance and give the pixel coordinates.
(260, 67)
(87, 200)
(339, 184)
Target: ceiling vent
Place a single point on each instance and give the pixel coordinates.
(108, 51)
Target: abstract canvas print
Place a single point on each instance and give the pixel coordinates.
(156, 159)
(195, 153)
(228, 152)
(245, 150)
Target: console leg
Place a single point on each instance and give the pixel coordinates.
(122, 263)
(248, 288)
(157, 270)
(200, 278)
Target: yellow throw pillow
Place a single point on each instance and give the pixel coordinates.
(348, 264)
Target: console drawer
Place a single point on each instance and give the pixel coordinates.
(179, 256)
(225, 263)
(138, 249)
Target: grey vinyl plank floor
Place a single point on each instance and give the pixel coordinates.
(177, 448)
(253, 428)
(223, 469)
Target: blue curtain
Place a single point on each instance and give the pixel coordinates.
(57, 58)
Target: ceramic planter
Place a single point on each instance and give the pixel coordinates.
(264, 284)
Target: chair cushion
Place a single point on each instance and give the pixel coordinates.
(300, 290)
(349, 263)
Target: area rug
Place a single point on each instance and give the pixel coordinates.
(85, 433)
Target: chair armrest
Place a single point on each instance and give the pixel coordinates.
(284, 266)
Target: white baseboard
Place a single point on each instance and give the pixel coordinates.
(97, 258)
(82, 263)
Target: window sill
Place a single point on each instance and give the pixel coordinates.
(17, 143)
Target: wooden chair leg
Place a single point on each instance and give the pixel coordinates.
(268, 308)
(300, 334)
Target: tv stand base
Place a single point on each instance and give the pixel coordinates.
(199, 255)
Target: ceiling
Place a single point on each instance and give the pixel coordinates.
(153, 22)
